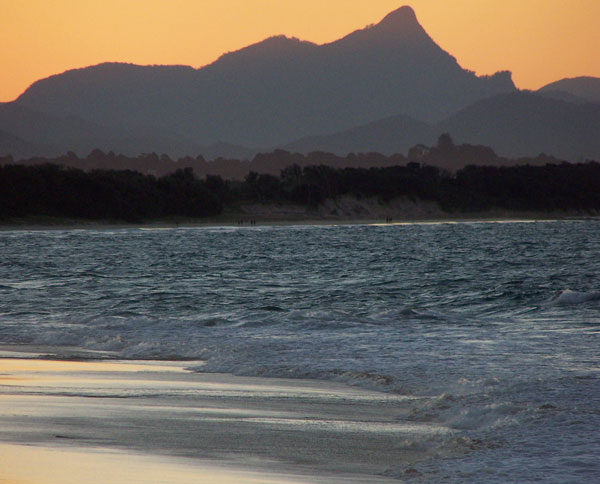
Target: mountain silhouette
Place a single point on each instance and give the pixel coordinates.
(53, 135)
(526, 124)
(384, 88)
(520, 124)
(277, 90)
(582, 88)
(395, 134)
(20, 149)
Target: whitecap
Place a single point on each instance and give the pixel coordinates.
(568, 297)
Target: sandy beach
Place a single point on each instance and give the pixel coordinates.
(344, 211)
(67, 421)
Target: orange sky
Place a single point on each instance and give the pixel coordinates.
(539, 40)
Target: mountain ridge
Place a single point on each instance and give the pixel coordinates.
(278, 89)
(384, 87)
(521, 124)
(586, 88)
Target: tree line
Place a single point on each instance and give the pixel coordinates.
(125, 195)
(229, 169)
(57, 191)
(444, 154)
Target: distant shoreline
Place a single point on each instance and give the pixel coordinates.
(248, 220)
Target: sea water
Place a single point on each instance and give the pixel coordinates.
(493, 327)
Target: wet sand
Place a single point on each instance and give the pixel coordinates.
(111, 422)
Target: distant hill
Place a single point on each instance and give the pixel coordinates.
(50, 135)
(274, 91)
(562, 96)
(586, 88)
(525, 124)
(519, 124)
(395, 134)
(19, 148)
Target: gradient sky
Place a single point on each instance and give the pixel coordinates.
(540, 41)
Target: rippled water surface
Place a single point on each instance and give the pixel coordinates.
(494, 326)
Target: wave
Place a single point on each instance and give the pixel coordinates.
(569, 297)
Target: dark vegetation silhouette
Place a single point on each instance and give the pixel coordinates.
(231, 169)
(55, 191)
(445, 154)
(57, 188)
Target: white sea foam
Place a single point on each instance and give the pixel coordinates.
(568, 297)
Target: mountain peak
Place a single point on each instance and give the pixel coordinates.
(399, 25)
(403, 20)
(403, 15)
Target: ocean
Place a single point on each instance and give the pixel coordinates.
(491, 328)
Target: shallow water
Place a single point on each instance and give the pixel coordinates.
(494, 326)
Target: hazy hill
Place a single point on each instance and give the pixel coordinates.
(51, 132)
(587, 88)
(526, 124)
(54, 135)
(277, 90)
(395, 134)
(19, 148)
(51, 135)
(516, 124)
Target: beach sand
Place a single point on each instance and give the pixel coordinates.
(67, 421)
(345, 210)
